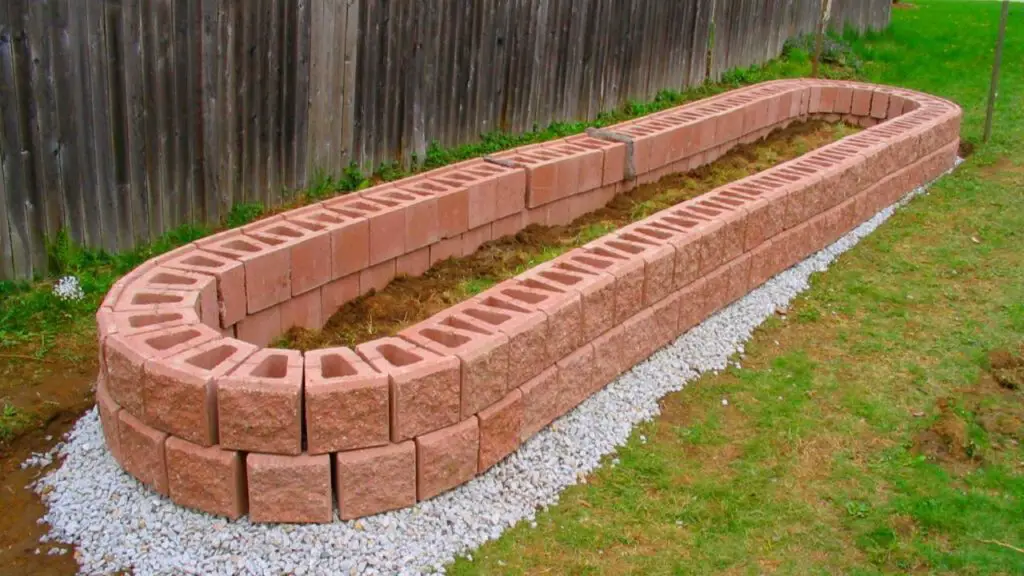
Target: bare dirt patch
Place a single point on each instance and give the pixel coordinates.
(406, 301)
(995, 404)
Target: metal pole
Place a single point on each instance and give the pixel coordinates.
(994, 85)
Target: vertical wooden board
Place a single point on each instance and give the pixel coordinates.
(247, 98)
(16, 242)
(65, 64)
(135, 121)
(151, 117)
(303, 83)
(116, 137)
(263, 90)
(163, 110)
(273, 93)
(6, 255)
(481, 79)
(46, 136)
(193, 101)
(350, 85)
(211, 111)
(286, 75)
(85, 51)
(234, 101)
(319, 67)
(178, 68)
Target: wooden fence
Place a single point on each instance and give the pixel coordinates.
(122, 119)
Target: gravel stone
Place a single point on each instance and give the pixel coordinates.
(117, 524)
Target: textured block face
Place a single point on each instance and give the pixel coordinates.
(446, 458)
(262, 327)
(527, 333)
(611, 356)
(629, 279)
(424, 386)
(500, 427)
(206, 478)
(289, 488)
(109, 418)
(346, 402)
(575, 378)
(142, 452)
(563, 310)
(483, 355)
(376, 480)
(179, 392)
(259, 404)
(540, 402)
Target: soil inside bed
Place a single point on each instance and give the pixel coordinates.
(408, 300)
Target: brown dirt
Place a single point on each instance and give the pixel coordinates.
(1007, 368)
(965, 149)
(995, 404)
(406, 301)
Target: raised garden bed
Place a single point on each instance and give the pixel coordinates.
(194, 407)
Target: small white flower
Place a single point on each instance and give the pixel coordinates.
(68, 289)
(725, 402)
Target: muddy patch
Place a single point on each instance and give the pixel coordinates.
(976, 423)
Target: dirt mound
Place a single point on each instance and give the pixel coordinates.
(994, 405)
(1008, 368)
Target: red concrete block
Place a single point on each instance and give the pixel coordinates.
(501, 424)
(829, 94)
(473, 239)
(349, 236)
(641, 337)
(738, 272)
(230, 276)
(509, 225)
(692, 305)
(659, 257)
(303, 311)
(180, 392)
(611, 356)
(666, 318)
(590, 161)
(259, 405)
(206, 478)
(483, 355)
(424, 386)
(109, 419)
(844, 100)
(335, 294)
(142, 452)
(414, 263)
(591, 201)
(377, 277)
(596, 290)
(722, 244)
(289, 488)
(563, 309)
(422, 224)
(310, 251)
(445, 249)
(385, 218)
(166, 279)
(765, 207)
(446, 458)
(376, 480)
(452, 203)
(549, 175)
(576, 378)
(541, 402)
(613, 162)
(267, 269)
(481, 194)
(346, 402)
(527, 332)
(628, 274)
(510, 185)
(135, 299)
(126, 357)
(861, 105)
(261, 328)
(879, 105)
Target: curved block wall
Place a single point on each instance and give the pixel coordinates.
(194, 405)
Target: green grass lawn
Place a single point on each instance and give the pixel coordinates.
(863, 434)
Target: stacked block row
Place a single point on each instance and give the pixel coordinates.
(195, 406)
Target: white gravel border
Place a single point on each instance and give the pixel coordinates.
(117, 524)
